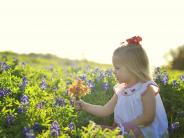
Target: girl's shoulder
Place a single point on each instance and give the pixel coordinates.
(150, 85)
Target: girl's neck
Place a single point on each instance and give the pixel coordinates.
(131, 83)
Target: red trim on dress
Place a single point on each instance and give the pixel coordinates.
(147, 91)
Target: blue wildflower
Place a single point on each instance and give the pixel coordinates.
(40, 105)
(4, 92)
(24, 83)
(55, 129)
(28, 133)
(24, 100)
(10, 119)
(71, 102)
(175, 125)
(91, 84)
(100, 77)
(105, 86)
(59, 101)
(83, 77)
(1, 93)
(96, 70)
(21, 110)
(182, 78)
(4, 66)
(23, 64)
(174, 83)
(164, 79)
(15, 60)
(37, 127)
(71, 126)
(109, 72)
(55, 88)
(43, 85)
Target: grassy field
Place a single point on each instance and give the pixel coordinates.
(34, 101)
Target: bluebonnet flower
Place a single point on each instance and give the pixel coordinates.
(24, 83)
(101, 76)
(157, 75)
(182, 78)
(59, 101)
(175, 125)
(24, 100)
(109, 73)
(71, 102)
(55, 129)
(4, 92)
(10, 119)
(37, 127)
(4, 66)
(25, 130)
(1, 93)
(174, 83)
(96, 70)
(21, 110)
(164, 78)
(28, 133)
(55, 88)
(91, 84)
(40, 105)
(105, 86)
(83, 77)
(73, 65)
(43, 85)
(23, 64)
(15, 60)
(71, 126)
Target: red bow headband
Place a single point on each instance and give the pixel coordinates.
(134, 41)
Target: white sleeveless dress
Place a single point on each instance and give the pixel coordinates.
(129, 106)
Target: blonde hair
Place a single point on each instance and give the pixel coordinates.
(134, 59)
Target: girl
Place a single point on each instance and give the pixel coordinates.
(136, 102)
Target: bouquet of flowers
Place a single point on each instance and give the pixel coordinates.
(78, 89)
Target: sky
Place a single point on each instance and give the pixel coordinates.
(92, 30)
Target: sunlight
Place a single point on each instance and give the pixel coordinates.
(90, 30)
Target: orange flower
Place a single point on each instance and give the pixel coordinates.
(78, 89)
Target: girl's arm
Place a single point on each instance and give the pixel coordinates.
(149, 108)
(99, 110)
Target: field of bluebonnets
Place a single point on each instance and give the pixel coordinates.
(34, 101)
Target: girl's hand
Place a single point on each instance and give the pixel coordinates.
(78, 104)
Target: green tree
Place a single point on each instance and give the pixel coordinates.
(177, 58)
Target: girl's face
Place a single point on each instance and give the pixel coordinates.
(122, 74)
